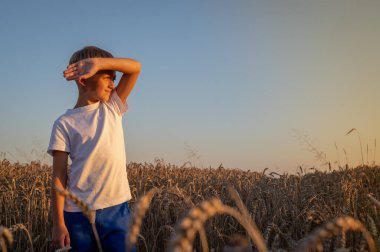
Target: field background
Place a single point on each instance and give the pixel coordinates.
(286, 208)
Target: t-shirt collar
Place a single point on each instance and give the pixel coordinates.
(84, 108)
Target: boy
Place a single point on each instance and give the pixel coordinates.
(92, 135)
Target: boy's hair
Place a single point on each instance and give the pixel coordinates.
(89, 52)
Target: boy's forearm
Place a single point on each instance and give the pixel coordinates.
(59, 179)
(58, 201)
(124, 65)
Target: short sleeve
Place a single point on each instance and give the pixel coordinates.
(117, 104)
(59, 139)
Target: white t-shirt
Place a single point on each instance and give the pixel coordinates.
(93, 136)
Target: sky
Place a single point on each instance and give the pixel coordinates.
(247, 84)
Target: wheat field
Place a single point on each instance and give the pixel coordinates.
(187, 208)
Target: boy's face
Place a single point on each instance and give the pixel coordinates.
(100, 86)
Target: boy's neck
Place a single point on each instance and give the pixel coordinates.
(84, 101)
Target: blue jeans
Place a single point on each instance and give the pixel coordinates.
(111, 223)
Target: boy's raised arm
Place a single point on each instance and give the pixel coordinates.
(88, 67)
(131, 70)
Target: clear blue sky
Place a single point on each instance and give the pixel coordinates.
(231, 81)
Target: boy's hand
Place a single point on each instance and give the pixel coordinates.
(82, 69)
(60, 236)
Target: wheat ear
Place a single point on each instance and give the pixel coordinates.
(22, 227)
(138, 215)
(6, 238)
(195, 219)
(90, 214)
(314, 240)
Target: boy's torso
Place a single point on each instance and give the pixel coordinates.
(97, 173)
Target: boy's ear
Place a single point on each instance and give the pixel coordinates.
(82, 82)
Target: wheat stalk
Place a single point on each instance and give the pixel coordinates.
(314, 240)
(374, 200)
(372, 226)
(253, 231)
(360, 141)
(374, 154)
(139, 212)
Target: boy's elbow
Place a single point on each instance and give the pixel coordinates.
(138, 66)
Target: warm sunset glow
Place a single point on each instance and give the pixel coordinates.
(249, 84)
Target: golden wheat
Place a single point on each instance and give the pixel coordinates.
(285, 207)
(194, 221)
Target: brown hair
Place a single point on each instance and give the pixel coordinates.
(89, 52)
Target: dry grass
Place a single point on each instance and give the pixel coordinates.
(194, 208)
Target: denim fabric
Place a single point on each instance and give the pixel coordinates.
(111, 223)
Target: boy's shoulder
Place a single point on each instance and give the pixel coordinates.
(64, 120)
